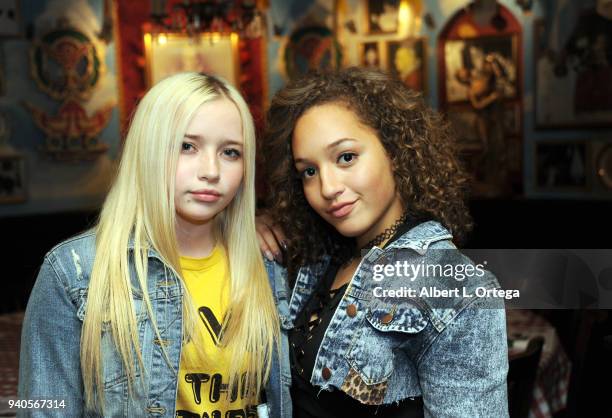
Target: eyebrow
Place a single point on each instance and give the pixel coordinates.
(224, 142)
(330, 146)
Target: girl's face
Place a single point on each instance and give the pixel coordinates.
(346, 173)
(210, 165)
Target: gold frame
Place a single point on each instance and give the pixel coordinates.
(183, 42)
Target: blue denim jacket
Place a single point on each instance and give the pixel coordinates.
(379, 350)
(50, 349)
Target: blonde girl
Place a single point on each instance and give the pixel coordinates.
(164, 308)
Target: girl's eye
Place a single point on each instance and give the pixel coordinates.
(187, 146)
(232, 153)
(346, 157)
(309, 172)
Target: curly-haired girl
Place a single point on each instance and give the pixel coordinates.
(363, 178)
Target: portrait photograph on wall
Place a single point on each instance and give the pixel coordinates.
(370, 55)
(407, 60)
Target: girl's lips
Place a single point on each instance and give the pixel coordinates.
(206, 197)
(343, 210)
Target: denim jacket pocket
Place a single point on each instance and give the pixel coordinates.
(373, 351)
(386, 326)
(114, 372)
(405, 317)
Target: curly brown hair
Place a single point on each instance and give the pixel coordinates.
(427, 173)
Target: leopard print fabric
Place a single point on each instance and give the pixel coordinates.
(355, 387)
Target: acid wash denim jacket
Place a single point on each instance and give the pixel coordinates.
(50, 350)
(379, 350)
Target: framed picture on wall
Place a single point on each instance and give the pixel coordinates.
(171, 53)
(10, 24)
(469, 64)
(370, 55)
(574, 82)
(406, 59)
(562, 166)
(382, 16)
(311, 48)
(479, 79)
(12, 177)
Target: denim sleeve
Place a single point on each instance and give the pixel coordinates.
(49, 366)
(463, 373)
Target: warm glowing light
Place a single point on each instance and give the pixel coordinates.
(161, 39)
(405, 18)
(466, 30)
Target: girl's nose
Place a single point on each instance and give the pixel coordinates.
(331, 184)
(209, 167)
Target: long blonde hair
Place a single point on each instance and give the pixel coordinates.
(139, 209)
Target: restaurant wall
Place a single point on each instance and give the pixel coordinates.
(59, 134)
(286, 18)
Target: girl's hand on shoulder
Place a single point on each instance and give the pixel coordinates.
(271, 237)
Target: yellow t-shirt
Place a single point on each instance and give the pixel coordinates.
(201, 390)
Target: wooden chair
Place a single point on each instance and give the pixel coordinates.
(521, 378)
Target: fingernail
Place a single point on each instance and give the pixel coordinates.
(269, 255)
(278, 256)
(283, 244)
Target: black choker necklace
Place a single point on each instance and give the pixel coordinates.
(386, 234)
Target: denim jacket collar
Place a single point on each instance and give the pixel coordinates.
(421, 236)
(151, 252)
(418, 238)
